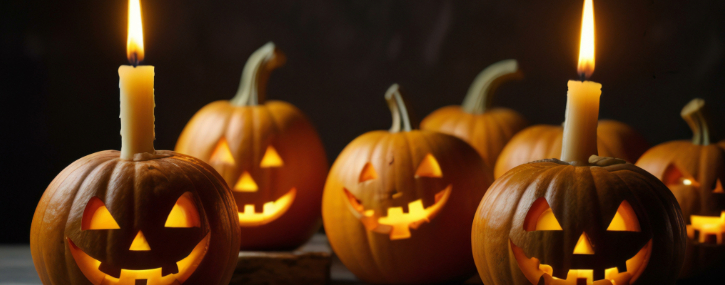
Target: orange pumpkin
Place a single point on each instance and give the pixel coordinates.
(269, 154)
(551, 222)
(162, 218)
(694, 170)
(615, 139)
(485, 128)
(398, 204)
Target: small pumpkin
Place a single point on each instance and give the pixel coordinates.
(161, 218)
(269, 154)
(551, 222)
(398, 204)
(694, 170)
(485, 128)
(614, 139)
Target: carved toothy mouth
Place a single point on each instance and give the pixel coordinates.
(270, 211)
(535, 271)
(397, 223)
(154, 276)
(706, 229)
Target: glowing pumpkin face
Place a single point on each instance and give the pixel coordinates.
(405, 211)
(549, 222)
(398, 203)
(268, 153)
(255, 206)
(164, 254)
(105, 220)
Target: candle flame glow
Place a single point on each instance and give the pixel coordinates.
(134, 42)
(586, 45)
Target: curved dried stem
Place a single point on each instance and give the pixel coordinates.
(697, 117)
(480, 94)
(256, 72)
(401, 119)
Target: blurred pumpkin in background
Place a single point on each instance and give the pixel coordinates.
(614, 139)
(694, 170)
(398, 204)
(269, 154)
(476, 121)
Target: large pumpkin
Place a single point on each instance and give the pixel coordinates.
(398, 204)
(485, 128)
(268, 153)
(162, 218)
(549, 222)
(694, 170)
(614, 139)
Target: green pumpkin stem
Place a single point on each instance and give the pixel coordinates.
(396, 102)
(697, 117)
(255, 75)
(480, 94)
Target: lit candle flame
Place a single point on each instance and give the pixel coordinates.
(586, 45)
(134, 42)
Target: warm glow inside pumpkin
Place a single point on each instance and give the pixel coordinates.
(540, 217)
(96, 217)
(249, 214)
(397, 221)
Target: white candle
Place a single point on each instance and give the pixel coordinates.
(582, 105)
(137, 92)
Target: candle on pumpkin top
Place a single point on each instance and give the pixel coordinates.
(582, 107)
(137, 92)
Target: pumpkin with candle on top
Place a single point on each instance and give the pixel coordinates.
(398, 204)
(694, 170)
(614, 139)
(269, 154)
(485, 128)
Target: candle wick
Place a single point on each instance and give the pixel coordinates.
(133, 59)
(583, 76)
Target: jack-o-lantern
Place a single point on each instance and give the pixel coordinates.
(694, 171)
(162, 218)
(551, 222)
(485, 128)
(268, 153)
(614, 139)
(398, 204)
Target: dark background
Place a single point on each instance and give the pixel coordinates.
(59, 80)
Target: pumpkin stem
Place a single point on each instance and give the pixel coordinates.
(480, 94)
(401, 119)
(255, 75)
(696, 115)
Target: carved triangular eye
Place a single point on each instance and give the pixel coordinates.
(184, 213)
(367, 173)
(625, 220)
(97, 217)
(222, 154)
(717, 188)
(429, 167)
(675, 176)
(541, 218)
(271, 158)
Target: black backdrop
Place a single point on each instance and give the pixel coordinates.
(60, 59)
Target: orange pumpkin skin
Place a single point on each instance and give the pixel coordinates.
(236, 136)
(485, 128)
(700, 164)
(584, 200)
(488, 132)
(615, 139)
(434, 251)
(139, 195)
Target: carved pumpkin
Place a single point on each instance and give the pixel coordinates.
(694, 171)
(615, 139)
(398, 204)
(268, 153)
(549, 222)
(162, 218)
(485, 128)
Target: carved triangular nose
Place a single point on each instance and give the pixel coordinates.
(583, 246)
(246, 183)
(139, 243)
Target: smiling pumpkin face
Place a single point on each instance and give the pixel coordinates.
(551, 222)
(105, 220)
